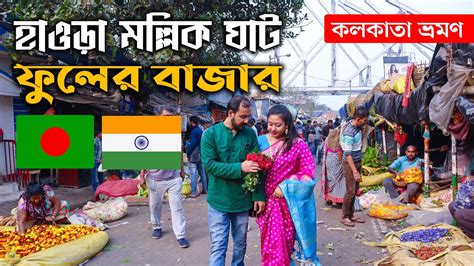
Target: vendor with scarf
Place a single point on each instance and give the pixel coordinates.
(39, 205)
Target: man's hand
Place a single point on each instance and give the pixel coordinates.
(278, 193)
(250, 167)
(49, 218)
(259, 207)
(357, 176)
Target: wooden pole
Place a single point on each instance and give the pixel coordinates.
(426, 137)
(400, 132)
(384, 144)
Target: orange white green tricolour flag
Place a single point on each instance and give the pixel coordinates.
(141, 142)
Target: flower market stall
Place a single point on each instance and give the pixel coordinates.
(51, 245)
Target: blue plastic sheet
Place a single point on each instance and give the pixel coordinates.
(300, 198)
(343, 112)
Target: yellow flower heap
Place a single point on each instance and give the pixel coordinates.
(411, 175)
(39, 237)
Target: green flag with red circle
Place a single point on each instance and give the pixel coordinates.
(55, 141)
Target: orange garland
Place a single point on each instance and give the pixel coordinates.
(39, 237)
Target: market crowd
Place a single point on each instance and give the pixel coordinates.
(221, 163)
(218, 157)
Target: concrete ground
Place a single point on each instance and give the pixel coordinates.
(131, 243)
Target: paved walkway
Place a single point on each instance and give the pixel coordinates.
(131, 242)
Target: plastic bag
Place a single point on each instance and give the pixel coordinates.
(396, 83)
(429, 217)
(186, 190)
(300, 198)
(100, 169)
(463, 54)
(442, 104)
(79, 217)
(464, 199)
(143, 190)
(109, 211)
(382, 197)
(357, 205)
(446, 195)
(367, 199)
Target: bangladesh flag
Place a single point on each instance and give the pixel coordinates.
(55, 141)
(141, 142)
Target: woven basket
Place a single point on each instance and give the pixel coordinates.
(418, 74)
(470, 79)
(400, 183)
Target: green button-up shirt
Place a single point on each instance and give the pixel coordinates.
(222, 154)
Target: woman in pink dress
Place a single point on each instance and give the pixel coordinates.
(292, 159)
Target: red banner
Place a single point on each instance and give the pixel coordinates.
(393, 28)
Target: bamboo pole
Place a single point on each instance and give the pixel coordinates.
(426, 137)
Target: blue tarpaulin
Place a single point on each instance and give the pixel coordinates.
(343, 112)
(300, 198)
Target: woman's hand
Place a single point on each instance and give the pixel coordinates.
(21, 220)
(56, 206)
(49, 218)
(278, 193)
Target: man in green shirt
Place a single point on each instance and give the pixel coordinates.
(224, 148)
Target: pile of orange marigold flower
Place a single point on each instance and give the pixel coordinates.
(39, 237)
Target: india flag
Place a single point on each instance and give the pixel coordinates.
(141, 142)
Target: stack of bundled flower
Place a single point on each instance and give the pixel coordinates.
(39, 237)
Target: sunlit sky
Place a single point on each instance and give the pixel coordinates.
(319, 70)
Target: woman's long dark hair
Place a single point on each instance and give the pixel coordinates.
(286, 116)
(33, 189)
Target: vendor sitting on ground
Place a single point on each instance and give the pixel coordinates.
(397, 167)
(39, 205)
(462, 209)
